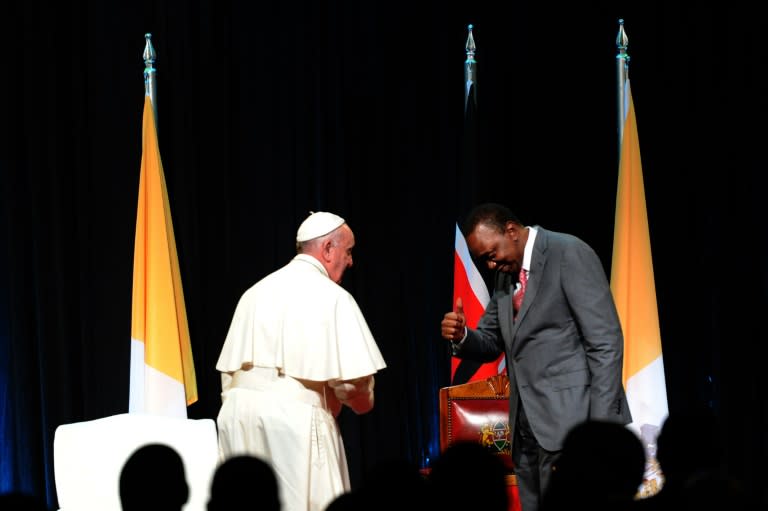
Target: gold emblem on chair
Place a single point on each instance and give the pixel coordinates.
(495, 437)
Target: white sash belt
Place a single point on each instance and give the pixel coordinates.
(268, 379)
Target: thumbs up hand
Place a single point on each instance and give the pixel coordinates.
(452, 326)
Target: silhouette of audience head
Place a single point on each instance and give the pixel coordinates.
(601, 465)
(688, 444)
(689, 452)
(390, 483)
(153, 477)
(348, 501)
(21, 501)
(242, 481)
(468, 476)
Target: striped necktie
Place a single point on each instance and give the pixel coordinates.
(517, 298)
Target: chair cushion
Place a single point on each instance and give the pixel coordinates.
(483, 420)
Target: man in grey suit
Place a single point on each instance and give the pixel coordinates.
(564, 346)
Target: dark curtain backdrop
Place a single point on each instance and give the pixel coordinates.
(267, 110)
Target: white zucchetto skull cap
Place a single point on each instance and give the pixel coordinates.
(318, 224)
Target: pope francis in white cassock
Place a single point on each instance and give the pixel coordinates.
(299, 349)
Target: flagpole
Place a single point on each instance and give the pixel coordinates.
(150, 84)
(633, 286)
(468, 282)
(162, 379)
(622, 74)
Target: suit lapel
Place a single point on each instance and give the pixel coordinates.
(538, 260)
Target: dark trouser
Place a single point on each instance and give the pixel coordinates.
(533, 464)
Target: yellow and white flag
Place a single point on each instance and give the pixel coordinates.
(162, 371)
(634, 292)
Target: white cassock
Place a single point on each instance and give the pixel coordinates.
(295, 324)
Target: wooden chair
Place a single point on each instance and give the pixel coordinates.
(478, 411)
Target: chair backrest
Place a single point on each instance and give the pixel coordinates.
(477, 411)
(89, 456)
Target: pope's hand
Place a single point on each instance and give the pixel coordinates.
(343, 390)
(356, 393)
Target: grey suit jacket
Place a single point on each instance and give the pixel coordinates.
(565, 350)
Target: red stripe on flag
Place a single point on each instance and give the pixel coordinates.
(473, 310)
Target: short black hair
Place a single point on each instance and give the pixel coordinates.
(491, 214)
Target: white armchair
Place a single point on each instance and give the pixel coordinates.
(88, 457)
